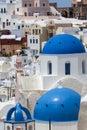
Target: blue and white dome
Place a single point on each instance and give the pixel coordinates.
(58, 105)
(63, 44)
(18, 114)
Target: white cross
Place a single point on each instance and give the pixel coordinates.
(59, 83)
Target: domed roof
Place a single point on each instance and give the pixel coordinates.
(58, 105)
(18, 114)
(63, 44)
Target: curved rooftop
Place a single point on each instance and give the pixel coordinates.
(18, 114)
(63, 44)
(58, 105)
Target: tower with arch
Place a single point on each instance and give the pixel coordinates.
(18, 118)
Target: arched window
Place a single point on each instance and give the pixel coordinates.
(1, 10)
(8, 127)
(67, 68)
(49, 68)
(30, 127)
(4, 10)
(83, 67)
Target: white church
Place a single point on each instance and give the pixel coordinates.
(63, 55)
(63, 61)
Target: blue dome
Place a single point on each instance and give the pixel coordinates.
(18, 114)
(58, 105)
(63, 44)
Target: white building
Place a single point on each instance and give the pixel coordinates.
(63, 56)
(34, 44)
(8, 8)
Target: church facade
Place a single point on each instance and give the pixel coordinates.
(63, 55)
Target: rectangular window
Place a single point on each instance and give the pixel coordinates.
(67, 68)
(36, 31)
(36, 40)
(39, 31)
(9, 23)
(3, 24)
(4, 10)
(49, 68)
(30, 40)
(17, 9)
(33, 31)
(83, 67)
(33, 52)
